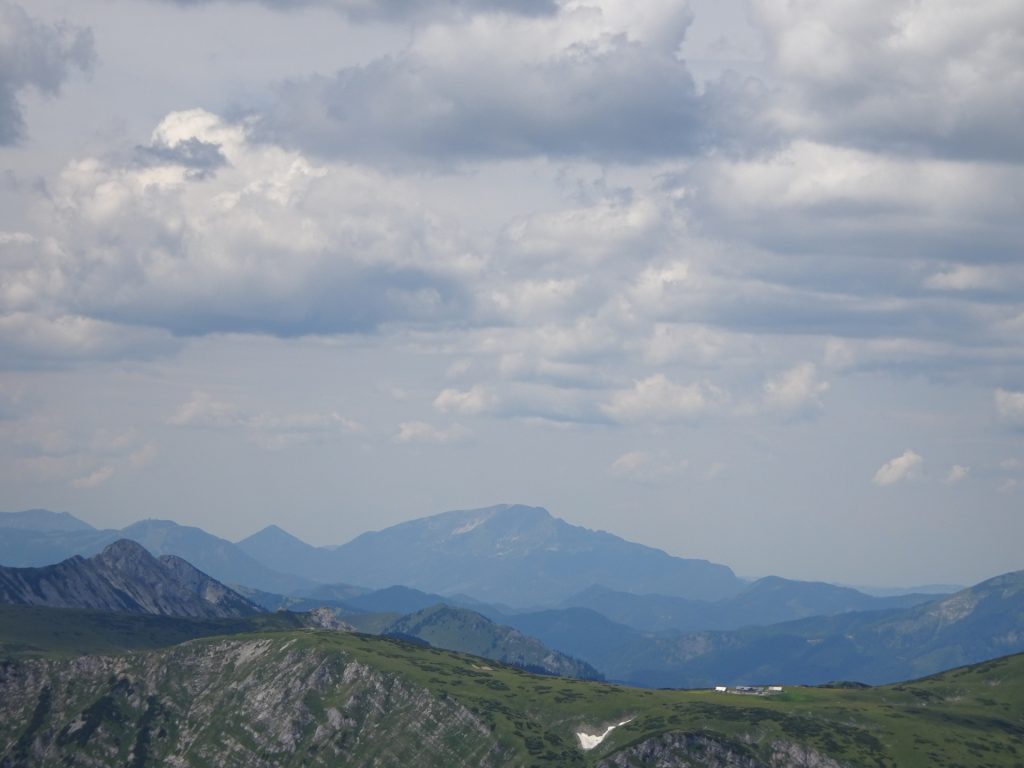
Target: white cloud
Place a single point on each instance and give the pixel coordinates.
(798, 389)
(94, 479)
(472, 402)
(957, 473)
(144, 455)
(1010, 406)
(944, 77)
(269, 430)
(644, 467)
(903, 467)
(209, 231)
(968, 277)
(600, 79)
(202, 410)
(658, 399)
(422, 432)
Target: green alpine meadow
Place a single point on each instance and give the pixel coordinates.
(314, 697)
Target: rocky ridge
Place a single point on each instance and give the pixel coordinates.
(124, 577)
(256, 703)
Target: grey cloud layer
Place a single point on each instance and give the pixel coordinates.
(35, 55)
(595, 81)
(402, 10)
(222, 225)
(942, 78)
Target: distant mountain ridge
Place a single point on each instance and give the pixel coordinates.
(770, 600)
(124, 577)
(978, 623)
(38, 537)
(43, 520)
(521, 556)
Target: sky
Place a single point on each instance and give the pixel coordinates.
(739, 279)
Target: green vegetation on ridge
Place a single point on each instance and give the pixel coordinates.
(973, 716)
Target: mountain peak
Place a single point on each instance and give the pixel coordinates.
(273, 533)
(43, 520)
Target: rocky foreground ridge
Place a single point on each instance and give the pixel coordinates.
(309, 697)
(280, 701)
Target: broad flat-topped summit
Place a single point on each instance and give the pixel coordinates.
(520, 555)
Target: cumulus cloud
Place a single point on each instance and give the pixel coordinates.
(795, 390)
(600, 79)
(645, 467)
(903, 467)
(815, 197)
(944, 77)
(422, 432)
(35, 55)
(956, 473)
(247, 237)
(94, 479)
(472, 402)
(658, 399)
(1010, 406)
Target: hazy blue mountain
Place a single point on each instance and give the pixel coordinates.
(24, 547)
(20, 547)
(43, 520)
(521, 556)
(124, 577)
(978, 623)
(218, 557)
(335, 592)
(397, 600)
(281, 551)
(923, 589)
(770, 600)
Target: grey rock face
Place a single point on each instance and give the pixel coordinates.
(124, 577)
(688, 750)
(247, 704)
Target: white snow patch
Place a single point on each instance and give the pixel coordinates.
(475, 523)
(588, 741)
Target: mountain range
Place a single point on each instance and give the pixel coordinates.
(125, 578)
(599, 613)
(977, 623)
(511, 554)
(40, 537)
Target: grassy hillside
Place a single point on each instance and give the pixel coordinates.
(326, 697)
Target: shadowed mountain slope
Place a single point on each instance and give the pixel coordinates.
(459, 629)
(23, 547)
(124, 577)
